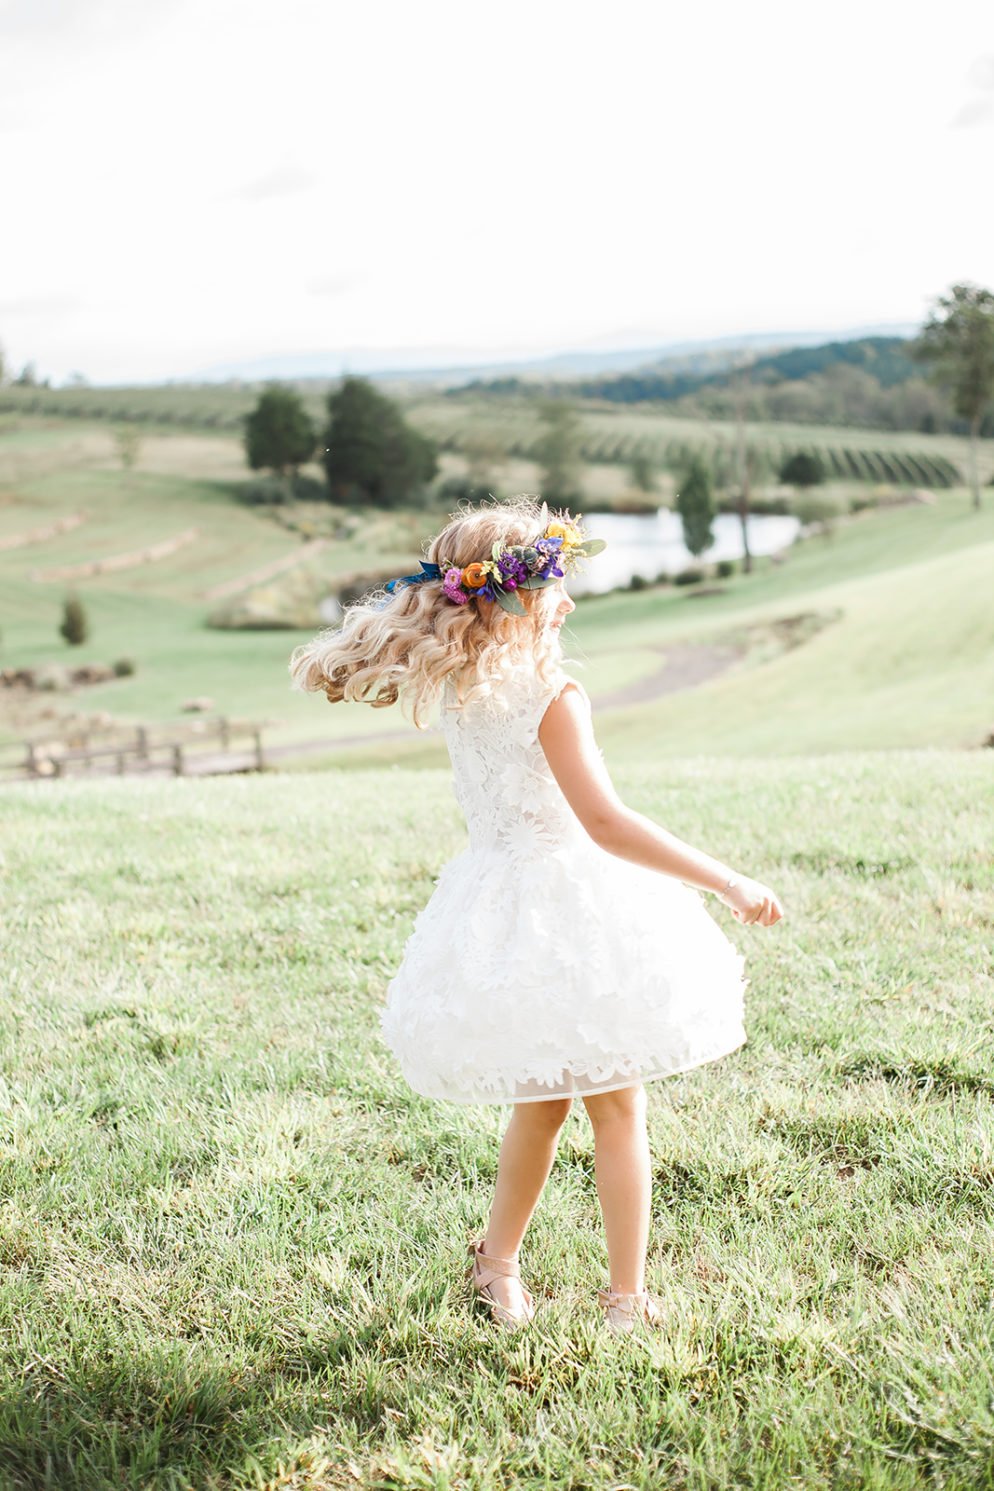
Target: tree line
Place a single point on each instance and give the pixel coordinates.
(940, 381)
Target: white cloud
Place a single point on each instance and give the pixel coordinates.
(206, 181)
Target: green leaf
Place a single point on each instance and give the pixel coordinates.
(496, 551)
(508, 601)
(591, 546)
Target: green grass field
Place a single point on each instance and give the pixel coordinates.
(903, 659)
(234, 1242)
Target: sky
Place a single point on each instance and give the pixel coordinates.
(187, 184)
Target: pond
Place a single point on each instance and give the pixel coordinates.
(651, 544)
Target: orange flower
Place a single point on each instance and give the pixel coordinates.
(474, 575)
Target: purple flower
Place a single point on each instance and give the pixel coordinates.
(486, 591)
(453, 577)
(454, 594)
(513, 570)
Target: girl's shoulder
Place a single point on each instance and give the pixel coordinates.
(521, 697)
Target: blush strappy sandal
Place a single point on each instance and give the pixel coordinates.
(621, 1311)
(485, 1271)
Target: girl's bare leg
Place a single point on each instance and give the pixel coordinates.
(526, 1155)
(624, 1181)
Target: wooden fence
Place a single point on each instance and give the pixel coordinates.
(209, 748)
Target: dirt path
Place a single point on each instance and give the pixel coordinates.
(686, 664)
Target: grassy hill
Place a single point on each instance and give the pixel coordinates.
(234, 1242)
(892, 647)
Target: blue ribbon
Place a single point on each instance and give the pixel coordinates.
(430, 572)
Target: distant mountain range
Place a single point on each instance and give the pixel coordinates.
(422, 365)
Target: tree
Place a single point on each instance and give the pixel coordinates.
(279, 433)
(642, 472)
(557, 452)
(371, 451)
(28, 376)
(958, 341)
(129, 444)
(746, 468)
(695, 505)
(802, 469)
(75, 628)
(484, 451)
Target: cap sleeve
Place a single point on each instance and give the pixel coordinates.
(545, 696)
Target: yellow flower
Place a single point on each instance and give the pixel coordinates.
(568, 532)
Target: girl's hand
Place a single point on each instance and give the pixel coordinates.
(752, 902)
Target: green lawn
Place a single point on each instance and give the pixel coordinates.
(903, 658)
(234, 1242)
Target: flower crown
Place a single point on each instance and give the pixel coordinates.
(512, 567)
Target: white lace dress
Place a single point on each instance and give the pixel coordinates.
(542, 966)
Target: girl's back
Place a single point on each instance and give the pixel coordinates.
(511, 801)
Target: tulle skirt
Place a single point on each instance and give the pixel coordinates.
(559, 973)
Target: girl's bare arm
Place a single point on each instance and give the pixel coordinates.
(566, 735)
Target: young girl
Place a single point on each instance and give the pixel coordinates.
(566, 951)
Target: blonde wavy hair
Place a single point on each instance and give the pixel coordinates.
(408, 643)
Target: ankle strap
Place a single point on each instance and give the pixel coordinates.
(625, 1301)
(509, 1267)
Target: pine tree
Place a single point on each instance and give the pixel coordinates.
(695, 505)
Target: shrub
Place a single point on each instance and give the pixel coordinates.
(689, 576)
(124, 667)
(724, 568)
(816, 507)
(276, 491)
(75, 627)
(268, 491)
(803, 469)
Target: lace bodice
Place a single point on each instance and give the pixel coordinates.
(511, 801)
